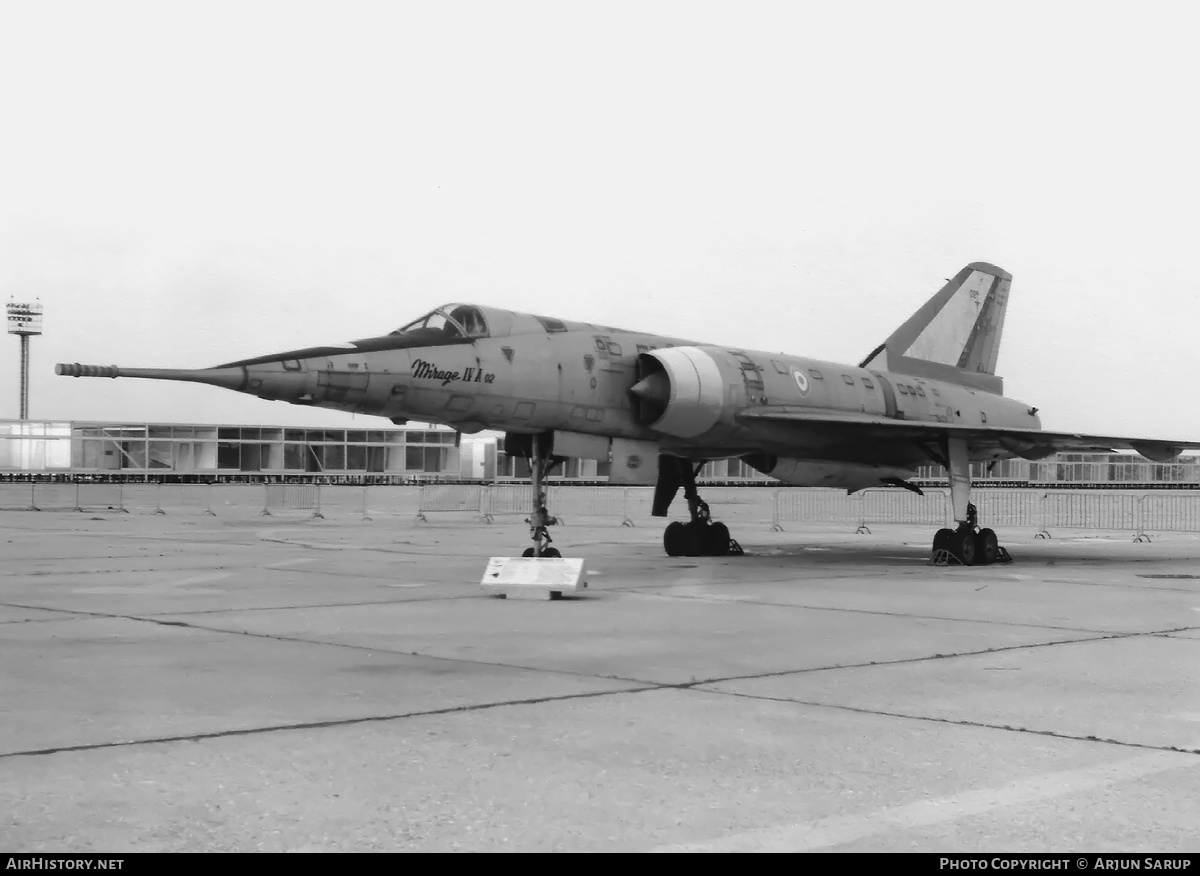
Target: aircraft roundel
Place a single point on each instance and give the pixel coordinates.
(801, 381)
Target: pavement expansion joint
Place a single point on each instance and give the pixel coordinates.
(306, 606)
(1027, 646)
(374, 649)
(959, 722)
(80, 615)
(322, 725)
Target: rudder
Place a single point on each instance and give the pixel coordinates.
(955, 336)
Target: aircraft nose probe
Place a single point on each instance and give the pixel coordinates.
(229, 378)
(66, 369)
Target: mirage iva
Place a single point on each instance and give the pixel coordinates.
(657, 408)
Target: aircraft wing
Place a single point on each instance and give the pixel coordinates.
(1025, 443)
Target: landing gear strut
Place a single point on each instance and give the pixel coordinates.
(700, 536)
(541, 463)
(968, 545)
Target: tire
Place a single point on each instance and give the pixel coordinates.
(551, 554)
(965, 547)
(988, 547)
(942, 539)
(697, 539)
(675, 539)
(528, 552)
(716, 540)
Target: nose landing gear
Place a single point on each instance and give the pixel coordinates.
(541, 463)
(539, 522)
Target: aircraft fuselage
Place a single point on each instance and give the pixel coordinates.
(579, 381)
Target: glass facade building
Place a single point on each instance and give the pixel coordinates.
(169, 451)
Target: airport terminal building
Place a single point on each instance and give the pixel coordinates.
(199, 453)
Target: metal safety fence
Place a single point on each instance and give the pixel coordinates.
(37, 496)
(492, 501)
(1047, 512)
(864, 509)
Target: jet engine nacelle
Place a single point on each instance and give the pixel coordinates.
(680, 391)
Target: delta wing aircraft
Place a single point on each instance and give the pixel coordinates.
(657, 408)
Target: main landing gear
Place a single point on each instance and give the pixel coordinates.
(700, 536)
(968, 545)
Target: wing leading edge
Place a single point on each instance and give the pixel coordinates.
(1025, 443)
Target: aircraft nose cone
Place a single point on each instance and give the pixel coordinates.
(655, 388)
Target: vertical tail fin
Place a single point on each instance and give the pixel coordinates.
(955, 336)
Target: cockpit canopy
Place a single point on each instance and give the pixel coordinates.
(465, 323)
(451, 322)
(445, 325)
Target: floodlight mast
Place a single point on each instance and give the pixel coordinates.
(25, 321)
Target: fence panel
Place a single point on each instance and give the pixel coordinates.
(197, 498)
(167, 497)
(16, 497)
(341, 500)
(1008, 508)
(55, 497)
(641, 502)
(566, 502)
(814, 505)
(1178, 512)
(737, 504)
(392, 499)
(233, 500)
(292, 497)
(898, 506)
(508, 499)
(1100, 509)
(442, 498)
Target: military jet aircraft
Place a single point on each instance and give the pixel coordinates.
(658, 408)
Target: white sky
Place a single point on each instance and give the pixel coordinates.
(183, 184)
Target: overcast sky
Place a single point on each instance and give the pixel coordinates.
(183, 184)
